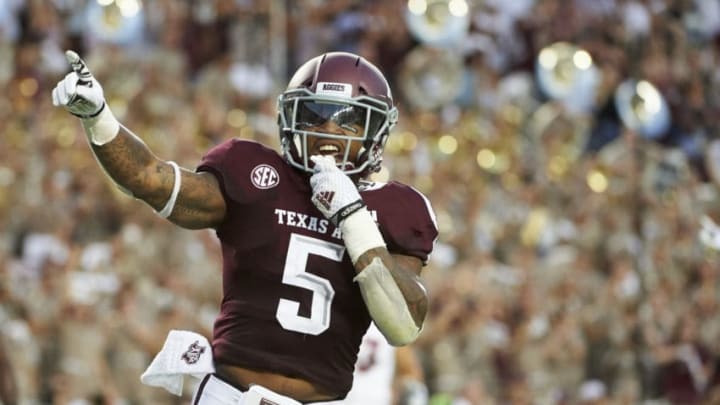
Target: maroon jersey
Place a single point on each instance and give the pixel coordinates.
(289, 302)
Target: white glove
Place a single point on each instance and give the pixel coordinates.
(709, 233)
(334, 193)
(79, 92)
(82, 96)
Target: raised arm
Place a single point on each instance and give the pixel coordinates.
(188, 199)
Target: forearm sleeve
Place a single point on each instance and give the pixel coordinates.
(386, 304)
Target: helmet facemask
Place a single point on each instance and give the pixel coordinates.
(300, 110)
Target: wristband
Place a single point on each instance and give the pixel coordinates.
(170, 205)
(102, 127)
(346, 211)
(86, 116)
(360, 233)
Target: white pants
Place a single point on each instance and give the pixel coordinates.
(214, 391)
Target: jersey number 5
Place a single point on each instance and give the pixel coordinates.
(295, 274)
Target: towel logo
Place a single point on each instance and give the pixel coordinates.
(193, 353)
(265, 401)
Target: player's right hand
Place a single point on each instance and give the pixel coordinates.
(334, 193)
(79, 92)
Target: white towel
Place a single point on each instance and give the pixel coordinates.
(184, 353)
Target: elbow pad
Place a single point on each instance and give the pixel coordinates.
(386, 304)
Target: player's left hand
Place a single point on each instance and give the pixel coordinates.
(333, 192)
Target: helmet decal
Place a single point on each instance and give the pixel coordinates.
(335, 89)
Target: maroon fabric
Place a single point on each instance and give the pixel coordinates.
(343, 67)
(262, 214)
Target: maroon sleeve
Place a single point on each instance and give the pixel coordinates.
(232, 163)
(405, 218)
(214, 162)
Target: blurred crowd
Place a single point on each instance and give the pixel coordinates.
(568, 268)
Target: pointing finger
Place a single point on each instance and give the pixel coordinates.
(69, 87)
(78, 65)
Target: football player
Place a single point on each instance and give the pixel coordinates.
(312, 251)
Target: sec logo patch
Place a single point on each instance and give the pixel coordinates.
(264, 177)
